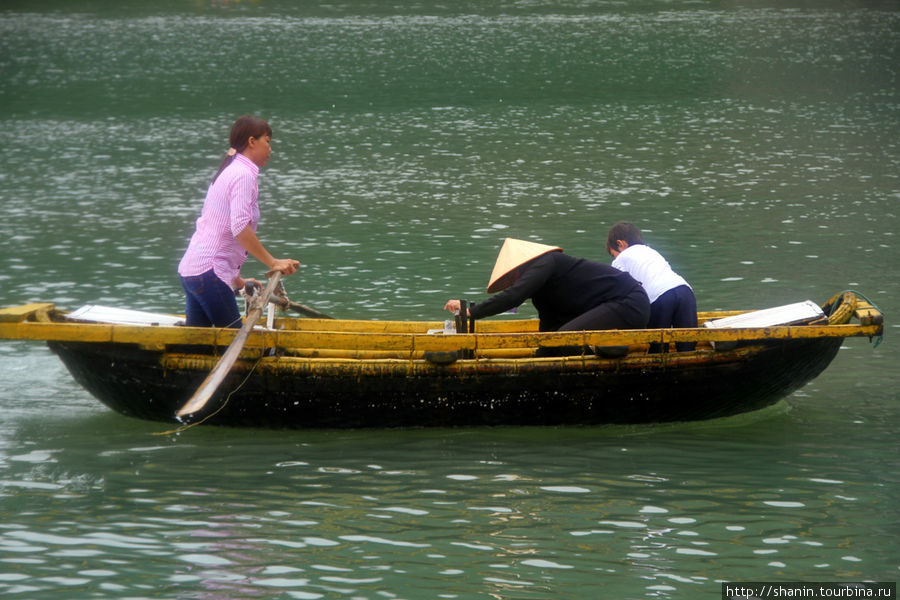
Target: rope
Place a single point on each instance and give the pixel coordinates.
(214, 413)
(832, 305)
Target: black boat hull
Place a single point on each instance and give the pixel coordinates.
(135, 381)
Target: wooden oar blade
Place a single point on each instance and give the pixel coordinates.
(215, 378)
(218, 374)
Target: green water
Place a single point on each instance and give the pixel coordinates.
(757, 144)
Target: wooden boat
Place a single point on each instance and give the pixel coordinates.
(348, 373)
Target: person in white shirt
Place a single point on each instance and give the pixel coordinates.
(672, 301)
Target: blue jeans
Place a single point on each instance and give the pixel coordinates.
(209, 302)
(676, 308)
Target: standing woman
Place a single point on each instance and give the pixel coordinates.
(210, 269)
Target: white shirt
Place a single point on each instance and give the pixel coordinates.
(650, 268)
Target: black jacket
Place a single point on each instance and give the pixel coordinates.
(561, 287)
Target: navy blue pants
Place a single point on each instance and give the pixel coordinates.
(209, 302)
(676, 308)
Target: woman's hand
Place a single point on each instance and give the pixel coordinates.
(287, 266)
(239, 283)
(454, 306)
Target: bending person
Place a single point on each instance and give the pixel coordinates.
(225, 233)
(672, 301)
(570, 294)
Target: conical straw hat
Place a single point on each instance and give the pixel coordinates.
(513, 254)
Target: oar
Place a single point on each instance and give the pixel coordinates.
(220, 371)
(279, 298)
(300, 308)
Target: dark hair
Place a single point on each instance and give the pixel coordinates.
(243, 129)
(623, 231)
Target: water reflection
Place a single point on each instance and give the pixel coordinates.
(409, 141)
(345, 512)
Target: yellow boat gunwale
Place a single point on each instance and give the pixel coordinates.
(41, 321)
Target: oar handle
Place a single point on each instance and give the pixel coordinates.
(260, 301)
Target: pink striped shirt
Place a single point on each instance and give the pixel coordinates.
(231, 205)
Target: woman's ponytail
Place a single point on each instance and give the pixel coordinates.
(243, 129)
(229, 158)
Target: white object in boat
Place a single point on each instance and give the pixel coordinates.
(123, 316)
(798, 312)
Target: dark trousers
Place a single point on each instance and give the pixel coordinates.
(676, 308)
(209, 302)
(630, 312)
